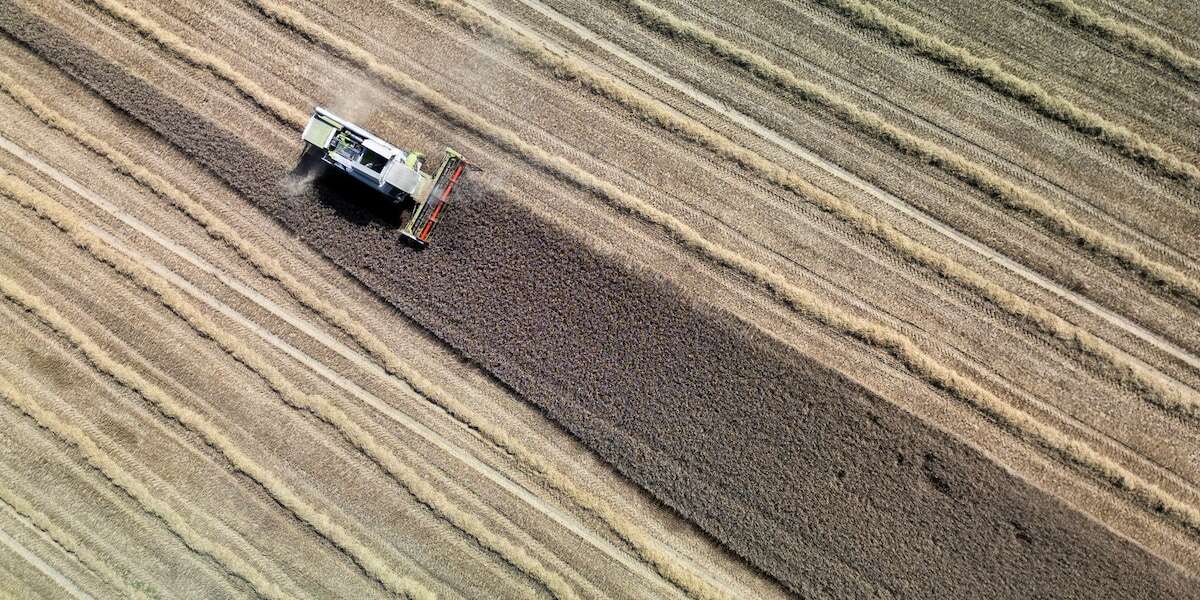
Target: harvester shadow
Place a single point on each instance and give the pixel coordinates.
(350, 199)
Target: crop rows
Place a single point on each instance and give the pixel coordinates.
(628, 530)
(986, 181)
(995, 76)
(1136, 39)
(1145, 382)
(103, 463)
(660, 387)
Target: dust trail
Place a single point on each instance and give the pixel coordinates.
(391, 362)
(1143, 381)
(993, 74)
(321, 523)
(805, 303)
(399, 471)
(1075, 14)
(68, 543)
(110, 469)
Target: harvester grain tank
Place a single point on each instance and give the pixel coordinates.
(395, 173)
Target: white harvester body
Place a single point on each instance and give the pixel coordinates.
(393, 172)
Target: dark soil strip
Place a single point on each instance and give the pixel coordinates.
(806, 474)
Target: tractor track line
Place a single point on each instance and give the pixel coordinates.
(1081, 17)
(64, 582)
(98, 483)
(1158, 388)
(215, 527)
(282, 112)
(20, 509)
(927, 17)
(359, 438)
(115, 474)
(991, 73)
(1168, 394)
(92, 239)
(1149, 23)
(361, 361)
(337, 317)
(1081, 203)
(120, 89)
(1010, 195)
(883, 338)
(786, 144)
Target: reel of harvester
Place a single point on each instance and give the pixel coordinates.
(395, 173)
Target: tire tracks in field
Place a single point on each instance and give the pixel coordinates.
(991, 73)
(662, 558)
(1167, 393)
(96, 482)
(1081, 17)
(63, 539)
(881, 338)
(771, 135)
(1118, 223)
(1149, 23)
(287, 498)
(283, 112)
(806, 304)
(990, 183)
(58, 577)
(111, 470)
(350, 430)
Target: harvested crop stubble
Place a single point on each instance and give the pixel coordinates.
(884, 338)
(647, 547)
(659, 388)
(985, 180)
(995, 76)
(386, 461)
(287, 391)
(239, 460)
(284, 113)
(1144, 382)
(63, 538)
(228, 561)
(1136, 39)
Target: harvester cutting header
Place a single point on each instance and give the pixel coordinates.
(394, 173)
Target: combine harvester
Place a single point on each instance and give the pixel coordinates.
(393, 172)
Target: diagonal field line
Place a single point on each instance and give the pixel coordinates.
(564, 519)
(63, 582)
(846, 176)
(900, 205)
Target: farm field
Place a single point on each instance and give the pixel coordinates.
(768, 299)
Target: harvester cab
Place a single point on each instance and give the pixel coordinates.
(396, 174)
